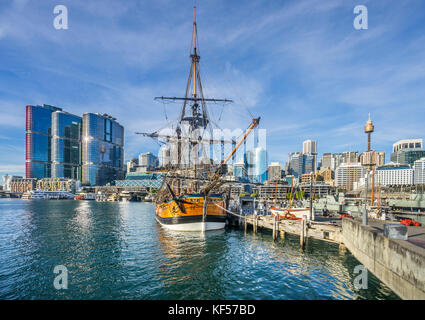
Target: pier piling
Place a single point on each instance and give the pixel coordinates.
(275, 227)
(303, 232)
(245, 224)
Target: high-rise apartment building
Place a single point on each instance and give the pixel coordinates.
(66, 145)
(38, 141)
(63, 145)
(349, 173)
(102, 149)
(419, 171)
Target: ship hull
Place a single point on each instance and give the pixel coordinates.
(171, 216)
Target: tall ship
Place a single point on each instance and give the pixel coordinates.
(190, 197)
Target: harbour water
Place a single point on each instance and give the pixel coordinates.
(117, 250)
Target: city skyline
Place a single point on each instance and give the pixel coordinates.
(324, 77)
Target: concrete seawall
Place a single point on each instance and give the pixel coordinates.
(399, 264)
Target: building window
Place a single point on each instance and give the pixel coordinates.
(108, 130)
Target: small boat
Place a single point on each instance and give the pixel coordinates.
(46, 195)
(34, 195)
(297, 213)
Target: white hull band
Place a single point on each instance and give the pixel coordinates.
(194, 226)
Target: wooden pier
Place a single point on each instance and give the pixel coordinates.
(400, 264)
(327, 229)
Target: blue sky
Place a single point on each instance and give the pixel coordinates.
(300, 65)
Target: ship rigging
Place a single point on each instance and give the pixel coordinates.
(190, 198)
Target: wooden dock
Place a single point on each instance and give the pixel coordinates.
(327, 229)
(400, 264)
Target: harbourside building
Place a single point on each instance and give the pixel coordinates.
(58, 184)
(407, 151)
(394, 174)
(140, 179)
(66, 145)
(7, 180)
(38, 141)
(102, 149)
(21, 185)
(63, 145)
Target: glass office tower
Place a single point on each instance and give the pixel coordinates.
(102, 149)
(260, 171)
(66, 145)
(38, 141)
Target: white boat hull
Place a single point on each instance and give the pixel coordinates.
(195, 226)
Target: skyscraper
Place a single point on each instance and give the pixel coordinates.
(148, 160)
(260, 170)
(256, 164)
(310, 148)
(326, 160)
(275, 171)
(348, 174)
(66, 145)
(300, 163)
(38, 141)
(419, 171)
(102, 149)
(239, 170)
(164, 156)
